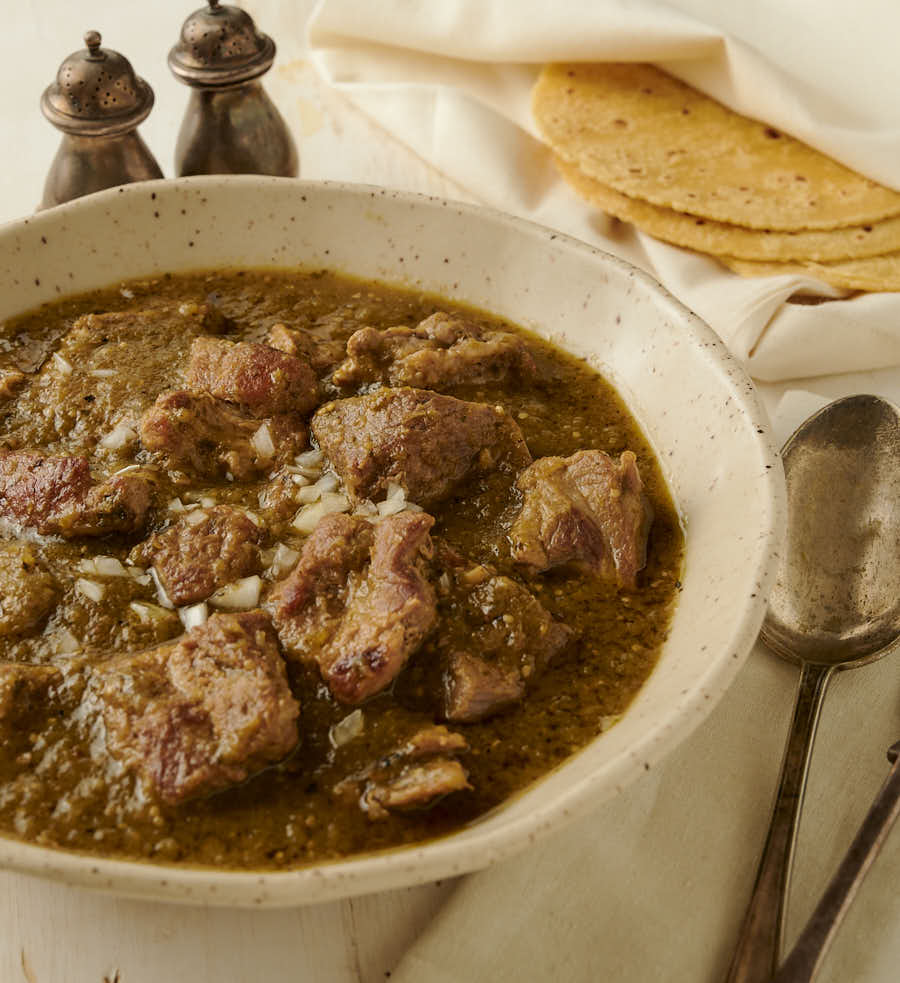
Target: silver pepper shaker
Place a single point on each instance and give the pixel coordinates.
(230, 125)
(97, 101)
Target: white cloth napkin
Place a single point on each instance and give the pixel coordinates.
(452, 81)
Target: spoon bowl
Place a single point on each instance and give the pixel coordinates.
(836, 599)
(835, 605)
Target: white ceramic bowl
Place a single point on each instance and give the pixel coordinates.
(693, 401)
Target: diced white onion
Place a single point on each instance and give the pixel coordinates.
(310, 463)
(391, 506)
(394, 490)
(308, 517)
(310, 459)
(335, 502)
(118, 437)
(149, 613)
(262, 442)
(300, 479)
(90, 589)
(239, 596)
(127, 468)
(64, 642)
(176, 505)
(126, 293)
(366, 508)
(194, 615)
(253, 517)
(195, 517)
(283, 559)
(140, 576)
(161, 594)
(63, 366)
(105, 566)
(207, 501)
(347, 729)
(102, 373)
(328, 482)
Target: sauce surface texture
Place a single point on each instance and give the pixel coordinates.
(81, 387)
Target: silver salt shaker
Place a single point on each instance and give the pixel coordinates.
(230, 125)
(97, 101)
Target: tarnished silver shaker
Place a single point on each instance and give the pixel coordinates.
(97, 101)
(230, 126)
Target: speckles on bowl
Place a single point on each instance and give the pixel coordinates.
(686, 390)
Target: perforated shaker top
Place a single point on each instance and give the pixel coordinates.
(220, 45)
(96, 92)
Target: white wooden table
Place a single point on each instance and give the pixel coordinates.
(53, 934)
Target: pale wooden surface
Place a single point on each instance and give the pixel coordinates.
(52, 933)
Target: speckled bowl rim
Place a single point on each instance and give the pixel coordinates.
(449, 855)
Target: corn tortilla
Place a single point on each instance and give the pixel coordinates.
(709, 236)
(873, 274)
(649, 136)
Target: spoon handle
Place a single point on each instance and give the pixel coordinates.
(756, 956)
(803, 963)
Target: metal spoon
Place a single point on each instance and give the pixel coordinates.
(835, 605)
(809, 950)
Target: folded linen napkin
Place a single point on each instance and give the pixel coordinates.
(453, 82)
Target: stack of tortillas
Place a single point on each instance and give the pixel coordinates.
(648, 149)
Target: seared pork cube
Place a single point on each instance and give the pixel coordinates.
(440, 351)
(198, 715)
(428, 742)
(307, 605)
(416, 786)
(586, 509)
(358, 602)
(263, 381)
(422, 441)
(413, 776)
(499, 639)
(23, 689)
(279, 498)
(57, 495)
(476, 688)
(323, 354)
(199, 433)
(28, 592)
(201, 552)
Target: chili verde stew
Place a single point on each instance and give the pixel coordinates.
(295, 566)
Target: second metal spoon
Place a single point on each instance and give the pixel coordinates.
(835, 605)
